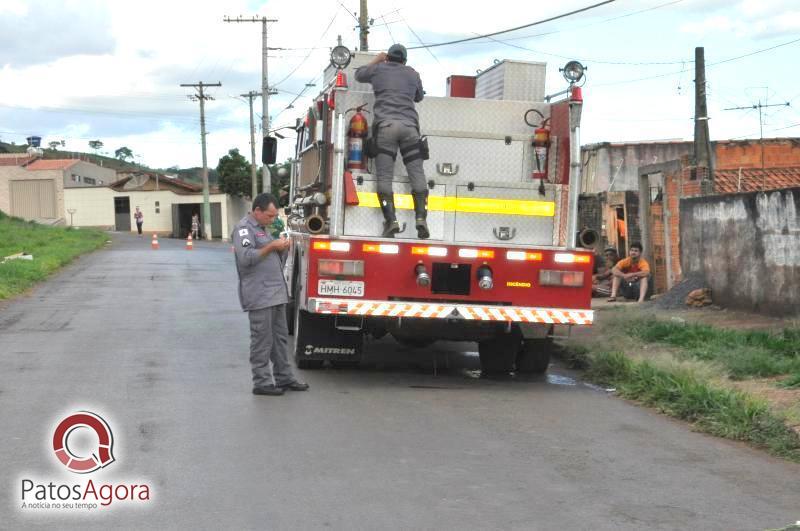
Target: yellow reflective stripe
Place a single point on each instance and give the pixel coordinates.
(472, 205)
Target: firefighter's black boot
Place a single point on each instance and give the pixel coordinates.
(390, 226)
(421, 214)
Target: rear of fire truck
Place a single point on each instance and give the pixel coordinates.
(501, 267)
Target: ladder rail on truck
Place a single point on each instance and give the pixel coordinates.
(501, 267)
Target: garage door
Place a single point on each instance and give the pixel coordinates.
(33, 199)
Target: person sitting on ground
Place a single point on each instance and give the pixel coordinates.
(601, 281)
(630, 276)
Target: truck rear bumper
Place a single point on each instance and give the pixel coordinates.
(450, 311)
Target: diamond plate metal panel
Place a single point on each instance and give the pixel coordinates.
(464, 117)
(512, 80)
(485, 228)
(368, 221)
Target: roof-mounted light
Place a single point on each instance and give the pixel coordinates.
(573, 71)
(340, 56)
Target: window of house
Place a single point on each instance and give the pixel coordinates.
(158, 209)
(89, 180)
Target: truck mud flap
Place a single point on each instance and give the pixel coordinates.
(317, 338)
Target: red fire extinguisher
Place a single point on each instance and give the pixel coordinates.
(356, 133)
(541, 145)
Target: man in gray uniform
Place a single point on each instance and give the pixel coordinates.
(263, 295)
(397, 87)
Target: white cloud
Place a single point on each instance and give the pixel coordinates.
(133, 97)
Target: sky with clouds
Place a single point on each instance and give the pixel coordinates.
(82, 70)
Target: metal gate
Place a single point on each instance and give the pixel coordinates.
(34, 199)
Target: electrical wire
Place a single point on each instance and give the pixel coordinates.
(301, 63)
(538, 22)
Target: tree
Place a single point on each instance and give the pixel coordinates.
(123, 153)
(234, 174)
(95, 145)
(54, 144)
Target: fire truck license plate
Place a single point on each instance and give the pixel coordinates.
(344, 288)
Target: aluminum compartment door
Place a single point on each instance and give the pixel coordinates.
(367, 218)
(473, 159)
(516, 215)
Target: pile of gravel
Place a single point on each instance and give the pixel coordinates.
(675, 299)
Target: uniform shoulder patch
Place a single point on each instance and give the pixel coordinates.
(243, 232)
(246, 242)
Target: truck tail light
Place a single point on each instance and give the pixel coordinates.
(523, 255)
(570, 258)
(571, 279)
(383, 248)
(343, 268)
(475, 253)
(429, 251)
(326, 245)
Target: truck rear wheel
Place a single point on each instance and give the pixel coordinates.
(499, 353)
(534, 356)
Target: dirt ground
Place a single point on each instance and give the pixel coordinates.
(783, 401)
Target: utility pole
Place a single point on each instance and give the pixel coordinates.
(363, 26)
(759, 106)
(202, 97)
(250, 95)
(702, 148)
(265, 175)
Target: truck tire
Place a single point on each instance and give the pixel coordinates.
(499, 353)
(534, 356)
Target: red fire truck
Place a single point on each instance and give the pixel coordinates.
(501, 267)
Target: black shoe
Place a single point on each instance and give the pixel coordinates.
(294, 386)
(421, 214)
(269, 390)
(390, 228)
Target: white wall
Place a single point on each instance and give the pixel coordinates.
(94, 207)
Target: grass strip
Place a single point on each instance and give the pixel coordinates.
(742, 353)
(680, 393)
(51, 247)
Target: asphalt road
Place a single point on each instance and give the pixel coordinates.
(155, 343)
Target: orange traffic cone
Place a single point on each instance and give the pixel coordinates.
(154, 244)
(189, 244)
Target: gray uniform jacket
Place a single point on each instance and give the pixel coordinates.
(396, 88)
(261, 280)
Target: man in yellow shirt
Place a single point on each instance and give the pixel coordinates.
(631, 276)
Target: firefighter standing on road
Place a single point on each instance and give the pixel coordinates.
(397, 87)
(263, 295)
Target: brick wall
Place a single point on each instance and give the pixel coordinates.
(778, 153)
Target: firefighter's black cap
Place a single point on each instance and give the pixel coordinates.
(397, 53)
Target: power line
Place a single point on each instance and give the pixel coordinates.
(302, 62)
(716, 63)
(538, 22)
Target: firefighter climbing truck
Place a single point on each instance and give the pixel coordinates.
(501, 266)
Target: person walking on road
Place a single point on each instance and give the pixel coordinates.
(263, 294)
(195, 225)
(397, 87)
(138, 216)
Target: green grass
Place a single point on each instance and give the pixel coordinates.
(792, 382)
(51, 247)
(741, 353)
(681, 393)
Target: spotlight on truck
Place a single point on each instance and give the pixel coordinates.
(340, 56)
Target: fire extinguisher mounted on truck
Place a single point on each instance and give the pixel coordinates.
(501, 267)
